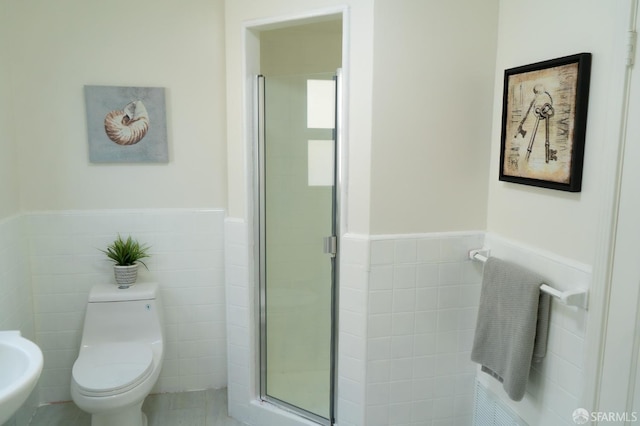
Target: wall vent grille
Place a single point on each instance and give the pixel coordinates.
(488, 410)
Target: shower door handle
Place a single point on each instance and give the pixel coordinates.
(330, 245)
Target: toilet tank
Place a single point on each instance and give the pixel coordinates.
(121, 315)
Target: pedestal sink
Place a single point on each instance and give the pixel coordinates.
(20, 368)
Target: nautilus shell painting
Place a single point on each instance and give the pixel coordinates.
(126, 124)
(129, 125)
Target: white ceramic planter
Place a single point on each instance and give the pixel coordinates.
(125, 275)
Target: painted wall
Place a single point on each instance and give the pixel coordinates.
(432, 95)
(560, 222)
(310, 48)
(9, 198)
(58, 48)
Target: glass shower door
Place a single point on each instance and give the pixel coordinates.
(297, 210)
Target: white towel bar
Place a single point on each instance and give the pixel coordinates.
(579, 297)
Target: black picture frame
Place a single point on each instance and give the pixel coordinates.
(544, 121)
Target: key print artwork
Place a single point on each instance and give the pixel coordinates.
(544, 122)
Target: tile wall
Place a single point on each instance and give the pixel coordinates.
(16, 307)
(352, 332)
(240, 319)
(408, 305)
(406, 318)
(187, 261)
(422, 305)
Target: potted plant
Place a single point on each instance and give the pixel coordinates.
(126, 256)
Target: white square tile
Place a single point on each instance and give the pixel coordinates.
(401, 369)
(450, 274)
(378, 394)
(376, 415)
(421, 411)
(426, 299)
(354, 251)
(352, 300)
(353, 322)
(400, 391)
(401, 347)
(427, 275)
(379, 349)
(447, 320)
(447, 342)
(404, 300)
(400, 413)
(381, 277)
(426, 321)
(379, 371)
(428, 250)
(405, 250)
(404, 276)
(424, 367)
(403, 323)
(448, 297)
(424, 344)
(382, 252)
(379, 326)
(423, 389)
(443, 408)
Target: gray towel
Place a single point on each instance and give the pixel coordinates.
(512, 326)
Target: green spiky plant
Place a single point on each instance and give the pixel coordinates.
(126, 252)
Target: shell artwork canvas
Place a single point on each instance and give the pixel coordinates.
(126, 124)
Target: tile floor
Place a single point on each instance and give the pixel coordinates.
(197, 408)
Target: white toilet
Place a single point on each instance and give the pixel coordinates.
(120, 354)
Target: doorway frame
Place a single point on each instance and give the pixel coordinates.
(251, 69)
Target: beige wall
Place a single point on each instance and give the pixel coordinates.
(309, 48)
(61, 46)
(432, 107)
(563, 223)
(9, 197)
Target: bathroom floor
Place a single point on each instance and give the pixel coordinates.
(198, 408)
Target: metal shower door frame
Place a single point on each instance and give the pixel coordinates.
(260, 252)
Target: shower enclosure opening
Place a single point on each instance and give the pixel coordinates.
(296, 223)
(298, 244)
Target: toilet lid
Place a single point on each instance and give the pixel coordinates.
(112, 368)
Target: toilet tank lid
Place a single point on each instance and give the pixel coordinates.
(111, 292)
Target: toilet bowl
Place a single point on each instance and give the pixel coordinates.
(120, 354)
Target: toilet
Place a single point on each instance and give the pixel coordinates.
(120, 354)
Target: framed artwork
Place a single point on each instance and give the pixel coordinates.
(544, 120)
(126, 124)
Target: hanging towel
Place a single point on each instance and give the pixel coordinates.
(512, 327)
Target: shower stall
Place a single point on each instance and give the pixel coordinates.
(297, 210)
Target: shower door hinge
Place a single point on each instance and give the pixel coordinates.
(331, 245)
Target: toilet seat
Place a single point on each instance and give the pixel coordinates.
(110, 369)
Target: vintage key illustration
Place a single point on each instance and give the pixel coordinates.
(542, 113)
